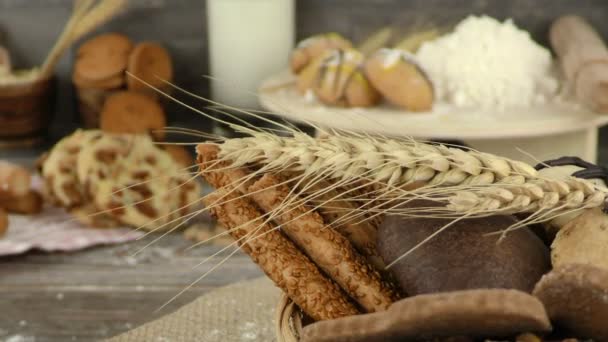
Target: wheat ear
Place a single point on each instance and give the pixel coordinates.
(469, 182)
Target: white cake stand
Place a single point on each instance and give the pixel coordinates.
(527, 134)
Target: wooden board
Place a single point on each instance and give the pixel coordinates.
(98, 293)
(278, 94)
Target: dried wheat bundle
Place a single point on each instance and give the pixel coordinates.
(468, 182)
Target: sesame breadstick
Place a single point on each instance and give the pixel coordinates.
(225, 175)
(279, 258)
(331, 251)
(333, 207)
(328, 249)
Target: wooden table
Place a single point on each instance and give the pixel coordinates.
(101, 292)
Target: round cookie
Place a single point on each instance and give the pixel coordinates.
(396, 75)
(151, 63)
(309, 49)
(62, 186)
(307, 77)
(341, 82)
(110, 83)
(584, 240)
(137, 182)
(133, 112)
(576, 299)
(103, 159)
(462, 256)
(102, 58)
(101, 43)
(471, 313)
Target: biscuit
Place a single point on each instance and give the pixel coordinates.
(396, 75)
(111, 83)
(138, 183)
(309, 49)
(59, 170)
(584, 240)
(134, 113)
(470, 313)
(100, 44)
(28, 204)
(341, 82)
(102, 57)
(576, 299)
(151, 63)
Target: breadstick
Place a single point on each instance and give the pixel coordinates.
(3, 222)
(327, 248)
(583, 57)
(278, 257)
(30, 203)
(207, 160)
(14, 180)
(335, 208)
(344, 265)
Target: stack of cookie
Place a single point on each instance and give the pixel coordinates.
(330, 70)
(107, 179)
(111, 63)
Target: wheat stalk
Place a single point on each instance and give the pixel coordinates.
(84, 19)
(469, 182)
(395, 162)
(528, 196)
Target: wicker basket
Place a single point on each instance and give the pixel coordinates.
(288, 320)
(26, 110)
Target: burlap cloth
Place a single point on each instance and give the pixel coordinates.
(240, 312)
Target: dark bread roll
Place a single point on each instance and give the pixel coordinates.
(463, 256)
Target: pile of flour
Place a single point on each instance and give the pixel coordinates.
(489, 64)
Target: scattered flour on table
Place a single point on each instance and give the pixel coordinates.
(489, 64)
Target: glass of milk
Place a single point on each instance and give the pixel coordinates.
(249, 40)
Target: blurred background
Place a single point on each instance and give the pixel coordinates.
(30, 28)
(73, 289)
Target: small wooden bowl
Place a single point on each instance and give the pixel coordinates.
(26, 110)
